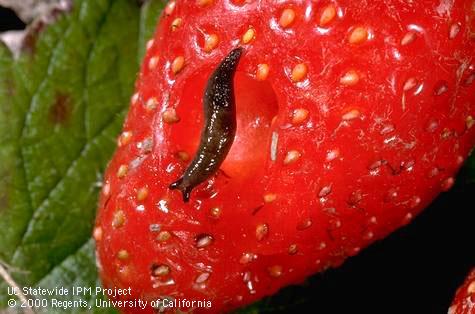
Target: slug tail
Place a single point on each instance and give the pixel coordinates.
(184, 188)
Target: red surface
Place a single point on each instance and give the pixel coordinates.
(378, 170)
(464, 301)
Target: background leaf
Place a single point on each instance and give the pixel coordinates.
(62, 104)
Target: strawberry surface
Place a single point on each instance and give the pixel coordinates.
(351, 117)
(464, 301)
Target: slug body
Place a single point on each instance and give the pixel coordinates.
(219, 127)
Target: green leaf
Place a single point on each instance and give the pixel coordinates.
(62, 104)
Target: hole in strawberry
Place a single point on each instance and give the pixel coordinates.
(256, 106)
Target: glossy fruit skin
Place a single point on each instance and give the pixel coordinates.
(360, 120)
(464, 301)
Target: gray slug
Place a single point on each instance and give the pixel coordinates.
(219, 129)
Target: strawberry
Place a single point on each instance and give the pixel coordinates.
(464, 301)
(351, 117)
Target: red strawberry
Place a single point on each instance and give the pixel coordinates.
(351, 118)
(464, 301)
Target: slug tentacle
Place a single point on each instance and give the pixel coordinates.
(219, 128)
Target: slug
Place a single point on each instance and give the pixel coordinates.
(219, 128)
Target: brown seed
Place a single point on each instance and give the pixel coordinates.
(142, 193)
(122, 171)
(270, 197)
(299, 115)
(178, 64)
(97, 233)
(275, 271)
(125, 138)
(261, 231)
(170, 116)
(350, 78)
(203, 240)
(291, 157)
(211, 41)
(358, 35)
(293, 249)
(123, 255)
(287, 18)
(163, 236)
(160, 270)
(249, 35)
(170, 7)
(299, 72)
(328, 14)
(408, 38)
(262, 72)
(176, 23)
(118, 219)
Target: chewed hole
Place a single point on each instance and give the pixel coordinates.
(256, 106)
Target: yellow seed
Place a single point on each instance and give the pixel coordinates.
(122, 171)
(471, 288)
(358, 35)
(122, 254)
(177, 64)
(151, 104)
(470, 121)
(150, 44)
(215, 212)
(291, 157)
(299, 72)
(270, 197)
(97, 234)
(275, 271)
(249, 35)
(170, 7)
(152, 63)
(409, 84)
(350, 78)
(211, 41)
(299, 115)
(142, 193)
(182, 155)
(163, 236)
(118, 219)
(408, 38)
(170, 116)
(261, 231)
(286, 18)
(328, 14)
(262, 71)
(203, 3)
(161, 270)
(350, 115)
(293, 249)
(176, 23)
(125, 138)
